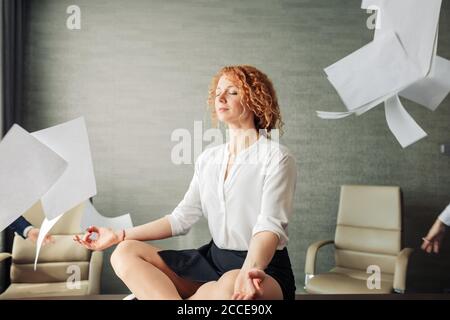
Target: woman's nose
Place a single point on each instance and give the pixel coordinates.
(222, 97)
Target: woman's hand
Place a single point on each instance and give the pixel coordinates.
(248, 284)
(33, 236)
(433, 240)
(98, 238)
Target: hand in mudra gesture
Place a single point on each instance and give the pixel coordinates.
(248, 284)
(99, 238)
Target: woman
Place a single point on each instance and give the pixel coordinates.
(245, 189)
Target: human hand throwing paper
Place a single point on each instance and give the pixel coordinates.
(432, 242)
(33, 235)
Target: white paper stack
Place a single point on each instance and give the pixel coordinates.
(53, 166)
(28, 169)
(401, 60)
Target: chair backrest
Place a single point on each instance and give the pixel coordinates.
(368, 228)
(55, 259)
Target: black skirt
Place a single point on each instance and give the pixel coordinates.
(209, 263)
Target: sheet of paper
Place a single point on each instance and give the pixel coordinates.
(333, 115)
(373, 71)
(415, 23)
(77, 184)
(432, 90)
(365, 4)
(419, 36)
(46, 226)
(401, 124)
(28, 169)
(91, 217)
(358, 111)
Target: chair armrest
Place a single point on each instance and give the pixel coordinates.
(311, 254)
(95, 272)
(401, 268)
(4, 256)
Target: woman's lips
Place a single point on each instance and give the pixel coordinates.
(222, 109)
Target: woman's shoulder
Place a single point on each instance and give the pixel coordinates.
(279, 160)
(275, 151)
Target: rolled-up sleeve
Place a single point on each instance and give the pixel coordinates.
(189, 210)
(445, 216)
(277, 198)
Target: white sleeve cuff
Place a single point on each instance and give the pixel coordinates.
(269, 223)
(26, 230)
(173, 224)
(178, 224)
(445, 216)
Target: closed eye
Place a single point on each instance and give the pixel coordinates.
(230, 92)
(234, 93)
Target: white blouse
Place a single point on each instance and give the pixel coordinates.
(445, 216)
(256, 196)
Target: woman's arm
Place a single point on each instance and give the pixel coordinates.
(107, 237)
(179, 222)
(155, 230)
(261, 250)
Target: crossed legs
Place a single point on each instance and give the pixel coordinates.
(144, 272)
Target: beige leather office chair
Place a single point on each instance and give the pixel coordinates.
(59, 264)
(368, 233)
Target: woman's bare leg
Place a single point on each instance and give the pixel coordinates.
(223, 288)
(143, 271)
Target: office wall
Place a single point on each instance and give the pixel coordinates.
(137, 70)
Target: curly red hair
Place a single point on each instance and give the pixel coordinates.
(257, 95)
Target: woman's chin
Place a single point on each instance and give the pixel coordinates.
(223, 119)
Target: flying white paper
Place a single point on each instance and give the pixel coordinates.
(401, 124)
(373, 71)
(365, 4)
(70, 140)
(415, 22)
(431, 91)
(28, 169)
(92, 217)
(77, 184)
(358, 111)
(46, 226)
(408, 66)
